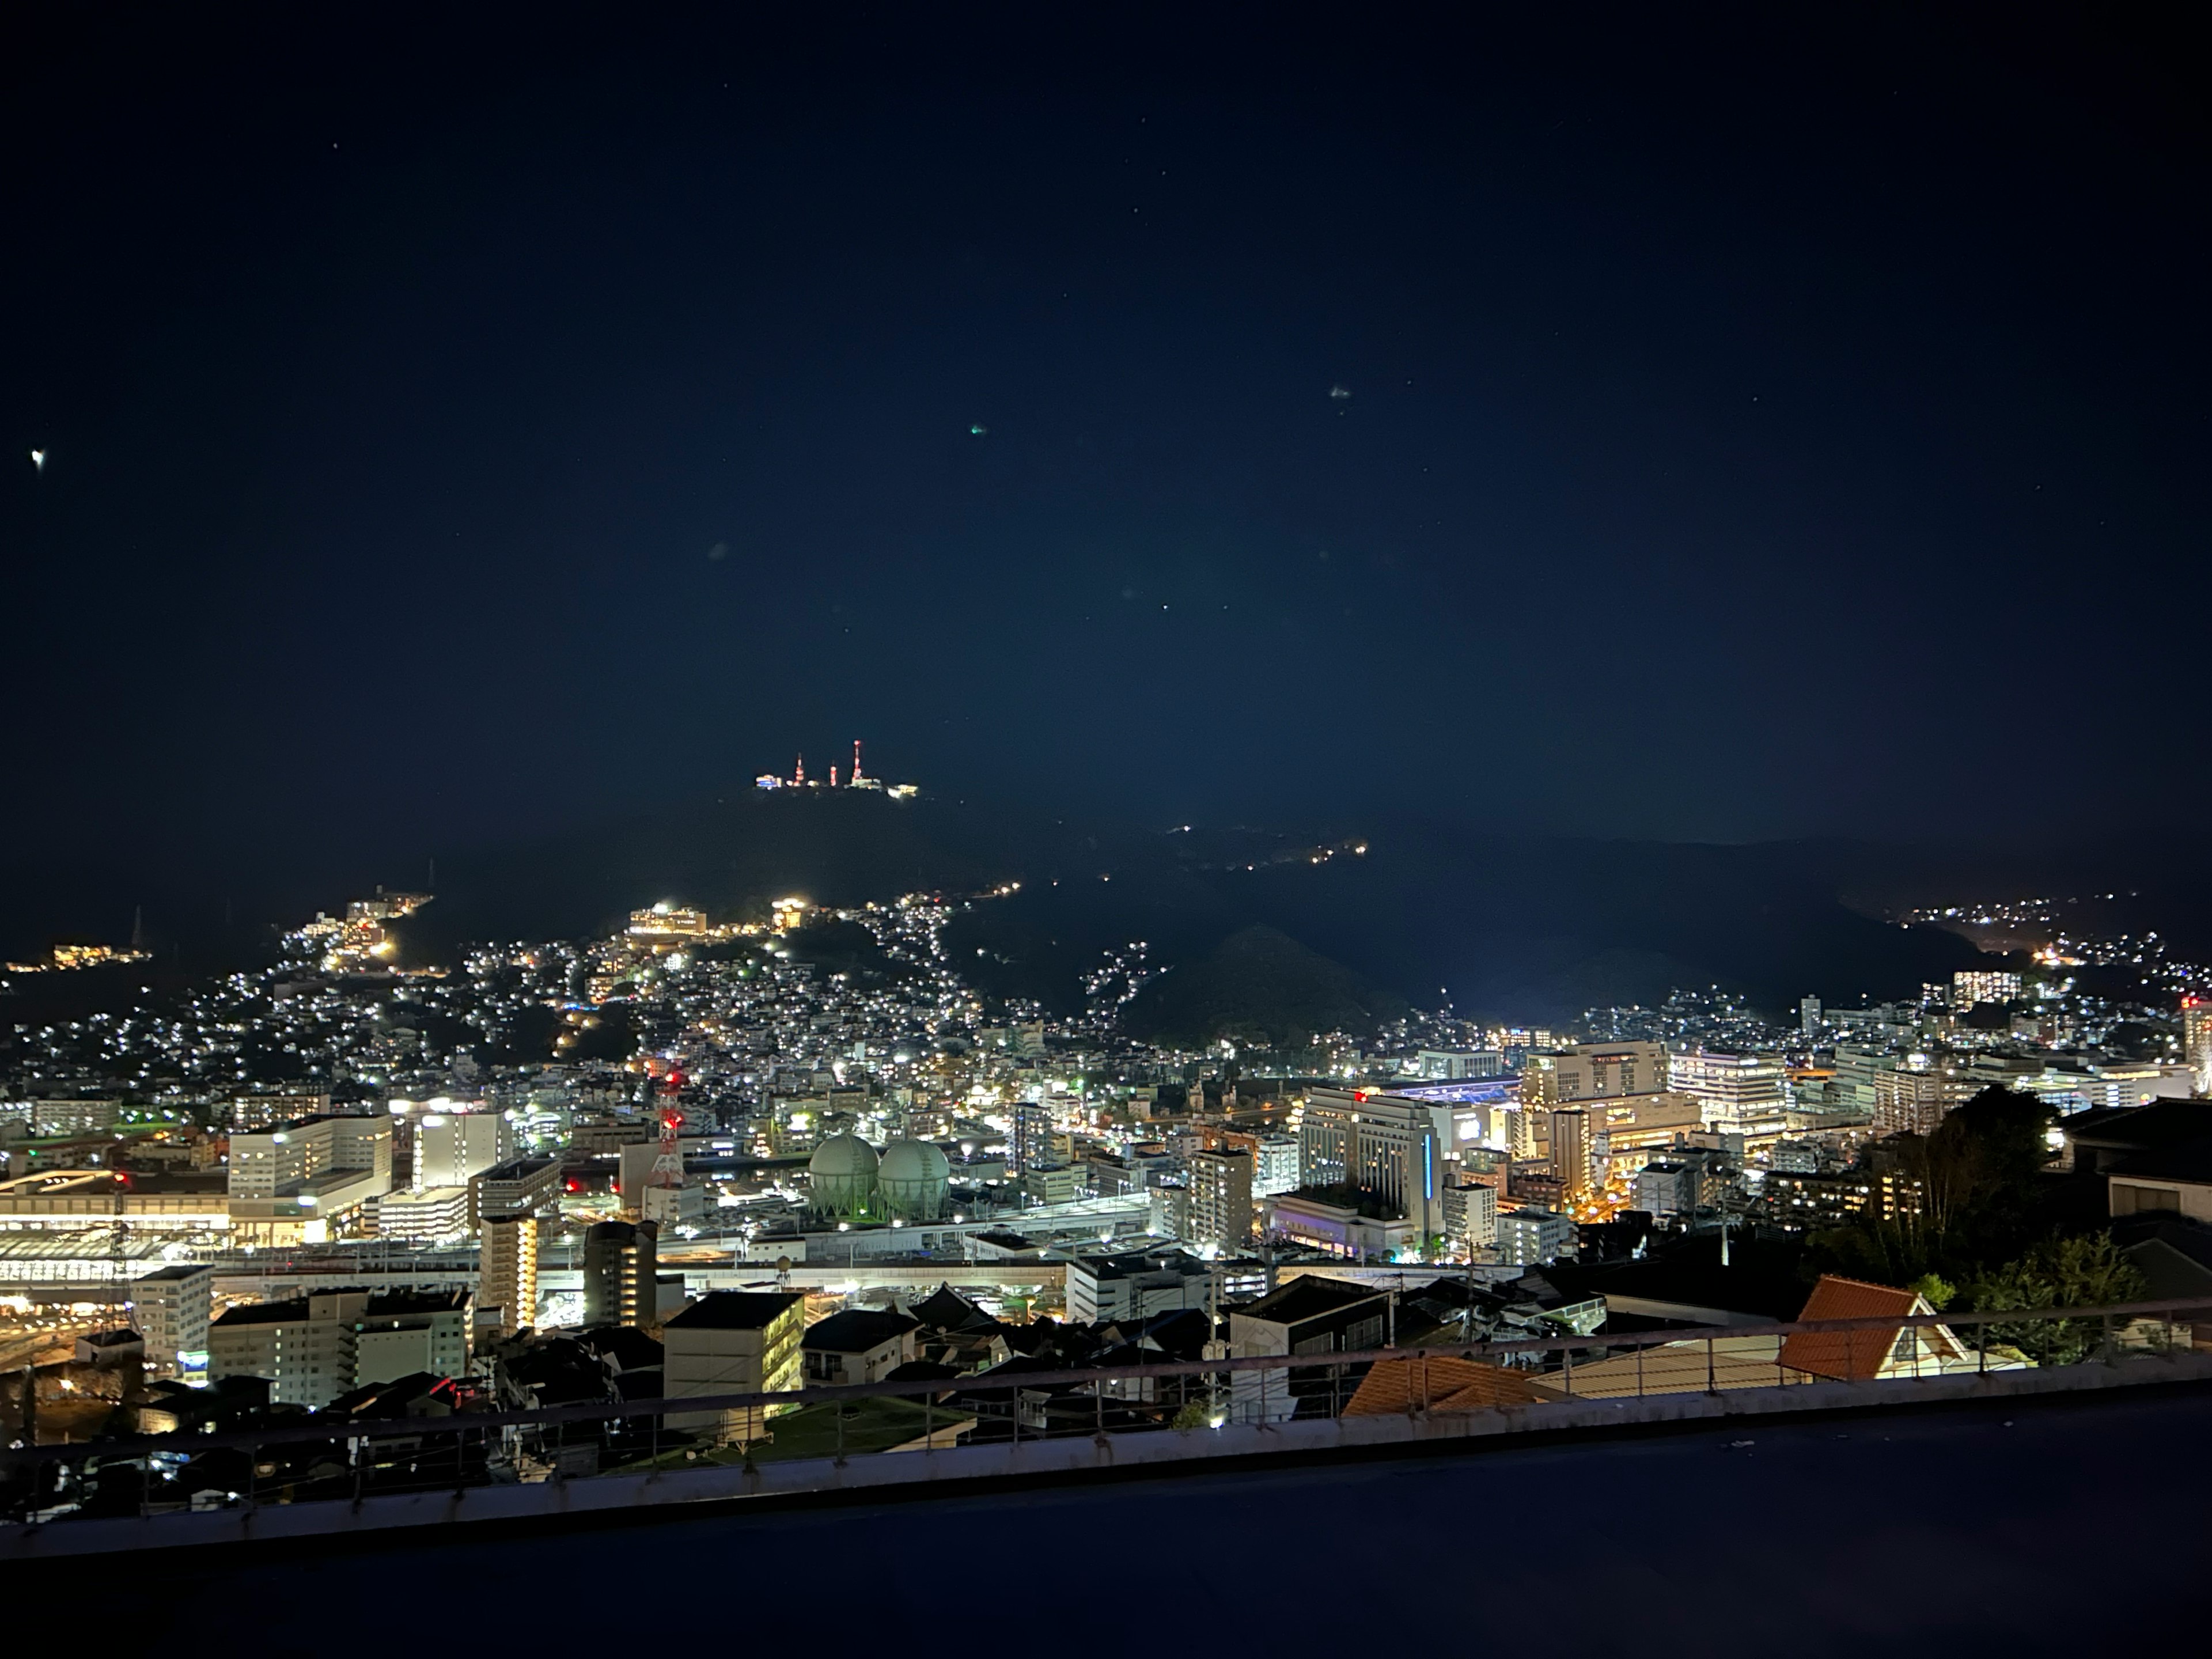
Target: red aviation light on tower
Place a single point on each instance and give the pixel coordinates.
(799, 775)
(668, 1168)
(856, 762)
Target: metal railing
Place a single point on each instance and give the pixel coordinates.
(315, 1458)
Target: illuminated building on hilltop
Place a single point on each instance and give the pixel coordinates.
(667, 921)
(1972, 986)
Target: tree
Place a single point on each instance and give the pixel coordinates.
(1936, 1291)
(1983, 1193)
(2087, 1271)
(1982, 1162)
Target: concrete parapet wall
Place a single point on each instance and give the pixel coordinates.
(1073, 1457)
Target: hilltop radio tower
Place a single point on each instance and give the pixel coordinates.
(856, 762)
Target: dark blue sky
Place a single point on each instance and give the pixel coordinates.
(1755, 430)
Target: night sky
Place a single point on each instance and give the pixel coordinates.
(458, 426)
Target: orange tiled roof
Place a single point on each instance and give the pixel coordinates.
(1848, 1356)
(1395, 1387)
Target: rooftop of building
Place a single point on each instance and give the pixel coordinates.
(2160, 1123)
(1308, 1297)
(856, 1330)
(735, 1310)
(2189, 1161)
(398, 1303)
(175, 1273)
(518, 1168)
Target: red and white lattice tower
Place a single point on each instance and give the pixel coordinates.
(668, 1168)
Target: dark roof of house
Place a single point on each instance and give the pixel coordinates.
(919, 1371)
(2191, 1238)
(734, 1311)
(1308, 1297)
(419, 1393)
(946, 1310)
(856, 1330)
(628, 1347)
(2160, 1123)
(2175, 1258)
(554, 1370)
(2189, 1161)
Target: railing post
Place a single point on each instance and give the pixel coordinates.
(929, 1423)
(2106, 1343)
(839, 1408)
(1712, 1384)
(1639, 1371)
(1098, 1394)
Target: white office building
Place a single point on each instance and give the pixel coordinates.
(171, 1307)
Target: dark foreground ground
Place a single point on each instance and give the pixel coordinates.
(2038, 1528)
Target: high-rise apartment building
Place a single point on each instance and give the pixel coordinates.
(1918, 1093)
(1220, 1213)
(621, 1273)
(517, 1212)
(1032, 1138)
(1571, 1150)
